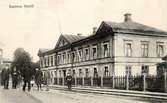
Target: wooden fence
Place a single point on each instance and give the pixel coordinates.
(140, 83)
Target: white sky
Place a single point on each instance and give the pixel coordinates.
(38, 27)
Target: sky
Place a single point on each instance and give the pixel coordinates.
(41, 25)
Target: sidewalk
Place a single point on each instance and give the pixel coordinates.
(98, 90)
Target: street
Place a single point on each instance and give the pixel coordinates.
(15, 96)
(58, 96)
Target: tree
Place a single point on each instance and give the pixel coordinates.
(22, 60)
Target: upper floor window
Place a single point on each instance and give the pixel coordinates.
(128, 70)
(64, 57)
(58, 59)
(94, 52)
(55, 56)
(144, 49)
(106, 71)
(51, 60)
(105, 49)
(79, 55)
(86, 54)
(128, 48)
(160, 49)
(48, 61)
(68, 57)
(145, 69)
(73, 57)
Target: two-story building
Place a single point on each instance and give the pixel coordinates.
(114, 49)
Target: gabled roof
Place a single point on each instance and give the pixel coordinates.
(43, 50)
(69, 38)
(73, 38)
(132, 26)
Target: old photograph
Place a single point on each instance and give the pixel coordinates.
(83, 51)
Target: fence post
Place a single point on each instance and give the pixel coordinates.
(101, 81)
(75, 78)
(113, 81)
(165, 82)
(83, 82)
(127, 82)
(63, 81)
(91, 79)
(144, 82)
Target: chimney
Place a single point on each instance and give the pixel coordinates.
(94, 30)
(79, 34)
(127, 17)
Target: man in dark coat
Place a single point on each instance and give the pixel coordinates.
(15, 75)
(38, 78)
(5, 77)
(27, 76)
(69, 81)
(2, 76)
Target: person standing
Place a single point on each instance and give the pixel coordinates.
(27, 76)
(69, 81)
(38, 78)
(6, 74)
(14, 78)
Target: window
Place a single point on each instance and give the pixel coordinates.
(45, 61)
(80, 72)
(128, 49)
(51, 73)
(87, 72)
(73, 73)
(60, 73)
(144, 49)
(64, 57)
(160, 49)
(128, 70)
(51, 60)
(55, 73)
(87, 54)
(73, 57)
(95, 72)
(69, 71)
(48, 61)
(58, 59)
(106, 49)
(145, 69)
(68, 57)
(94, 52)
(106, 72)
(55, 60)
(79, 55)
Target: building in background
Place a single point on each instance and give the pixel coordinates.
(113, 49)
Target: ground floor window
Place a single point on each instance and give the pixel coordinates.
(80, 72)
(106, 72)
(95, 72)
(86, 72)
(128, 70)
(73, 73)
(145, 69)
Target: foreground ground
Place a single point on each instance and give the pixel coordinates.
(59, 96)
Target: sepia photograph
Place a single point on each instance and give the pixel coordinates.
(83, 51)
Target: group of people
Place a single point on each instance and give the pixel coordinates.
(25, 76)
